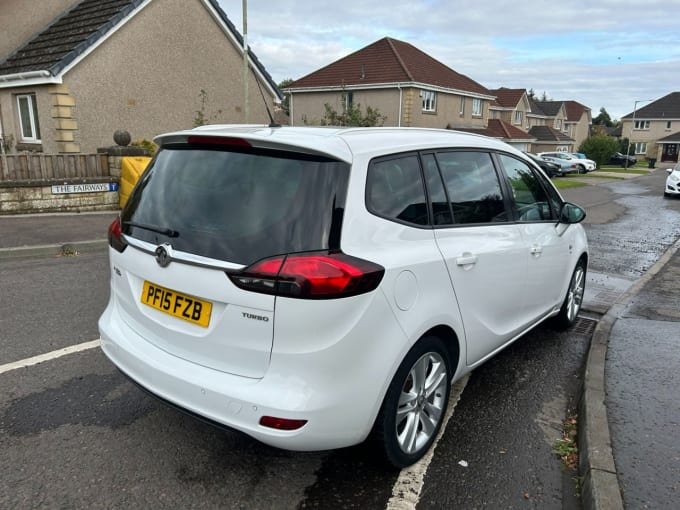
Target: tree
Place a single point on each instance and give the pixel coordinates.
(285, 103)
(603, 119)
(599, 148)
(352, 116)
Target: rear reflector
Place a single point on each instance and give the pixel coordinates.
(310, 276)
(218, 140)
(116, 240)
(281, 423)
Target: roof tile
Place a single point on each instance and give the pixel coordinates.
(389, 61)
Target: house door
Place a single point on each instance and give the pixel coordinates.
(670, 152)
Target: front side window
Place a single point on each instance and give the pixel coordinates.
(472, 187)
(640, 148)
(558, 124)
(518, 118)
(642, 124)
(462, 106)
(429, 101)
(669, 124)
(529, 198)
(28, 118)
(394, 190)
(477, 107)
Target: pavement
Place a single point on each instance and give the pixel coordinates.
(606, 483)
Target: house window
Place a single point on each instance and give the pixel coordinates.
(348, 101)
(668, 125)
(640, 147)
(558, 124)
(462, 106)
(429, 101)
(518, 118)
(28, 118)
(641, 124)
(476, 107)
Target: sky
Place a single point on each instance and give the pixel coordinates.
(601, 53)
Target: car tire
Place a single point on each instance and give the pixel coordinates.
(574, 298)
(415, 404)
(582, 169)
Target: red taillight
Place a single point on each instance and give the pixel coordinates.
(218, 140)
(311, 276)
(116, 240)
(281, 423)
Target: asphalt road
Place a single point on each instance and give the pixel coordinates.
(75, 434)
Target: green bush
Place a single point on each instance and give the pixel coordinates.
(147, 144)
(599, 148)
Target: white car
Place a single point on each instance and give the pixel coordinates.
(673, 181)
(314, 287)
(583, 164)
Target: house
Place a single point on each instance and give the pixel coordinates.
(654, 130)
(578, 122)
(72, 72)
(551, 125)
(405, 84)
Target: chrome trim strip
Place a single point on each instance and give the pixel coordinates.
(182, 257)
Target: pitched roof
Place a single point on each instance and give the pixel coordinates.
(667, 107)
(507, 98)
(549, 108)
(575, 110)
(498, 128)
(68, 36)
(535, 108)
(549, 134)
(674, 138)
(389, 61)
(81, 27)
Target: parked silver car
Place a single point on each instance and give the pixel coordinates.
(583, 165)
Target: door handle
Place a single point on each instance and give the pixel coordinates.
(466, 259)
(536, 249)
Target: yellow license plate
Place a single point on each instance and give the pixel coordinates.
(178, 305)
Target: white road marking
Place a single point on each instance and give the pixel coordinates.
(49, 356)
(409, 485)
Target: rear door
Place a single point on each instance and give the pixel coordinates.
(484, 252)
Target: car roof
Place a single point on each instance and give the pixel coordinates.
(341, 143)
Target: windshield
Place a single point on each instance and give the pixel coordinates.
(238, 206)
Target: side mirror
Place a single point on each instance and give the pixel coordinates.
(571, 213)
(669, 170)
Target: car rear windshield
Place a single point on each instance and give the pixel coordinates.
(238, 205)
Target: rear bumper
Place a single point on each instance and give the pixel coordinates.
(339, 412)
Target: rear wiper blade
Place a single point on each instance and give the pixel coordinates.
(153, 228)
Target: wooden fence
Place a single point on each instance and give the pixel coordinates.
(24, 167)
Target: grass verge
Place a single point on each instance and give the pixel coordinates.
(563, 184)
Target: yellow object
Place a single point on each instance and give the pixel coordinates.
(131, 168)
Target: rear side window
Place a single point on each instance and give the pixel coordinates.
(239, 206)
(472, 186)
(394, 190)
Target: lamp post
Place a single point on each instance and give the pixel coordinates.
(633, 127)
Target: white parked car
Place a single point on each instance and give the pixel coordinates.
(583, 164)
(673, 182)
(315, 287)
